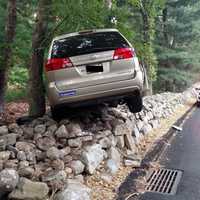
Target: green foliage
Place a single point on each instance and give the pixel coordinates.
(16, 94)
(172, 79)
(80, 15)
(17, 84)
(177, 44)
(18, 77)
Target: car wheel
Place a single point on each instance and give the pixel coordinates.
(135, 103)
(113, 104)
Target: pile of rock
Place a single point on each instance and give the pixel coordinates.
(43, 157)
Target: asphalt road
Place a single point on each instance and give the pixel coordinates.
(183, 154)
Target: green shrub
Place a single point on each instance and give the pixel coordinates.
(18, 77)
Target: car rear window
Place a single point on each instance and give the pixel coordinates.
(87, 43)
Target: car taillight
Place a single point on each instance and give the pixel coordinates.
(58, 63)
(123, 53)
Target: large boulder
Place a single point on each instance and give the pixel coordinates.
(74, 191)
(113, 163)
(92, 156)
(53, 153)
(77, 166)
(3, 130)
(40, 129)
(9, 179)
(62, 132)
(25, 146)
(29, 190)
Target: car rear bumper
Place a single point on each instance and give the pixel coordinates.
(94, 93)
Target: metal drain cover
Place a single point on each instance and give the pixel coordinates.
(164, 181)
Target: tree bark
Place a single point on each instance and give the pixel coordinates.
(147, 43)
(37, 89)
(165, 15)
(10, 28)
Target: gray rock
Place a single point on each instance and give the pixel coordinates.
(11, 164)
(28, 132)
(112, 166)
(65, 151)
(77, 142)
(87, 138)
(25, 146)
(114, 155)
(102, 134)
(44, 143)
(40, 129)
(121, 129)
(1, 165)
(77, 167)
(52, 129)
(132, 163)
(31, 157)
(21, 156)
(4, 155)
(23, 164)
(3, 130)
(26, 172)
(130, 142)
(74, 129)
(53, 153)
(79, 178)
(154, 124)
(137, 135)
(2, 143)
(140, 124)
(113, 140)
(58, 165)
(54, 176)
(74, 191)
(14, 128)
(114, 160)
(68, 170)
(62, 132)
(120, 141)
(11, 138)
(40, 155)
(92, 156)
(8, 139)
(9, 179)
(106, 143)
(146, 129)
(67, 159)
(29, 190)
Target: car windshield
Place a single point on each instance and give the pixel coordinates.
(87, 43)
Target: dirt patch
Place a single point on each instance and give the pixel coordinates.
(13, 111)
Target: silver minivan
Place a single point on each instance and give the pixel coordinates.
(92, 66)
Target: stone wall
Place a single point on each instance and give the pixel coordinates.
(43, 157)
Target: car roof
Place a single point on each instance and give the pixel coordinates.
(85, 31)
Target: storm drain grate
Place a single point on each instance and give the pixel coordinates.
(163, 181)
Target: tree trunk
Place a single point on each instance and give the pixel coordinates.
(147, 43)
(165, 15)
(10, 28)
(37, 90)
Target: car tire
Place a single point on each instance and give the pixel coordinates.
(113, 104)
(57, 113)
(135, 103)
